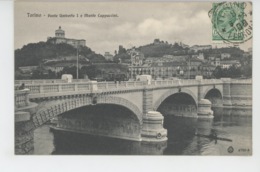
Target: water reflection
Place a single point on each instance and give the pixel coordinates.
(76, 144)
(227, 123)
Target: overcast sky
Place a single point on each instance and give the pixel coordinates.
(137, 23)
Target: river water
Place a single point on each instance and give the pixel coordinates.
(235, 125)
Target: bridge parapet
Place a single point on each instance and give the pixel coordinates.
(47, 81)
(59, 86)
(241, 81)
(211, 81)
(22, 98)
(24, 109)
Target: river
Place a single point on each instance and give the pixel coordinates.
(235, 125)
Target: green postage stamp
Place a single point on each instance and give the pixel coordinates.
(231, 21)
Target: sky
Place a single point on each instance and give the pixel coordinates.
(138, 23)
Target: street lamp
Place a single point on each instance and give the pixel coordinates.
(77, 62)
(189, 66)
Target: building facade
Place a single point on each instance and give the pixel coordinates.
(108, 56)
(136, 57)
(60, 38)
(225, 64)
(196, 48)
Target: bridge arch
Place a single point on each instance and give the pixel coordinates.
(214, 95)
(172, 92)
(207, 90)
(45, 114)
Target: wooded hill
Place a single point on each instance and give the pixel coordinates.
(33, 54)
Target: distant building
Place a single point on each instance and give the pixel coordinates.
(28, 69)
(60, 38)
(214, 59)
(196, 48)
(55, 67)
(175, 58)
(165, 58)
(184, 45)
(159, 42)
(217, 62)
(206, 70)
(181, 69)
(159, 70)
(225, 64)
(136, 57)
(194, 63)
(225, 56)
(199, 56)
(108, 56)
(156, 41)
(58, 65)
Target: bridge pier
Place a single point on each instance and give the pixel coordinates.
(24, 127)
(226, 92)
(204, 105)
(152, 130)
(204, 109)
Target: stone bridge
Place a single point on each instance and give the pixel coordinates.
(43, 100)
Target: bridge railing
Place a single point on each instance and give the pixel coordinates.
(87, 86)
(123, 84)
(22, 98)
(57, 87)
(242, 81)
(211, 81)
(46, 86)
(47, 81)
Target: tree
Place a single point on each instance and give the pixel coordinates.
(91, 71)
(121, 50)
(247, 70)
(234, 72)
(217, 73)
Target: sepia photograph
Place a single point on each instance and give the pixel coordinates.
(133, 78)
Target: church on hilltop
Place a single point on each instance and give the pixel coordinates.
(60, 38)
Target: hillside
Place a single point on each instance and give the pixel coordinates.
(159, 50)
(33, 54)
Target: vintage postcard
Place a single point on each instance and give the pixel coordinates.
(133, 78)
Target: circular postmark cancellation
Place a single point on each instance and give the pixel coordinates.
(231, 22)
(230, 149)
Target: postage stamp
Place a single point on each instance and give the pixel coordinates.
(231, 21)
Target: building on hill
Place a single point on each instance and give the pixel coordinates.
(57, 66)
(225, 64)
(206, 70)
(136, 57)
(28, 69)
(165, 58)
(180, 69)
(214, 59)
(195, 62)
(199, 56)
(156, 41)
(159, 70)
(175, 58)
(108, 56)
(196, 48)
(225, 56)
(60, 38)
(184, 45)
(159, 42)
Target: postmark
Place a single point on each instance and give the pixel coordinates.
(231, 22)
